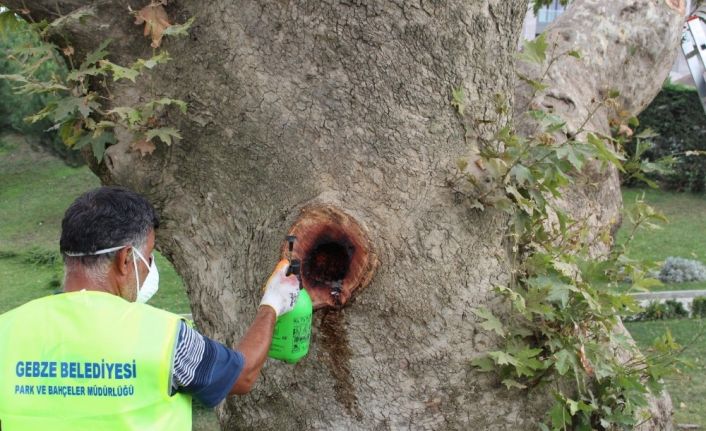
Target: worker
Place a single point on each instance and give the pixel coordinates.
(95, 357)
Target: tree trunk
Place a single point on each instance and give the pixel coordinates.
(346, 105)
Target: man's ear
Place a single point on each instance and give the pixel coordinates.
(122, 260)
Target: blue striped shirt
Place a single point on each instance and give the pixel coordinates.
(204, 368)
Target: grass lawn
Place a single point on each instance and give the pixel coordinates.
(35, 190)
(683, 236)
(688, 386)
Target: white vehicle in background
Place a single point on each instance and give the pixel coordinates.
(694, 47)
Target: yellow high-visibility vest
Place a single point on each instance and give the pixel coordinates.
(89, 361)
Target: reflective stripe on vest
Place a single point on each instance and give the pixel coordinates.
(89, 361)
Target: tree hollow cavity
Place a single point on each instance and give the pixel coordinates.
(336, 255)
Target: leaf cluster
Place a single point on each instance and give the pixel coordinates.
(80, 107)
(564, 323)
(15, 107)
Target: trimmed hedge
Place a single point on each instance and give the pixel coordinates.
(670, 309)
(677, 116)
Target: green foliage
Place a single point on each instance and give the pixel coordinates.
(15, 107)
(179, 29)
(16, 36)
(535, 51)
(165, 134)
(565, 306)
(76, 103)
(490, 323)
(458, 98)
(675, 125)
(698, 307)
(639, 168)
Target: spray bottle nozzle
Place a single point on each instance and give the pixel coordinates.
(294, 264)
(294, 267)
(290, 240)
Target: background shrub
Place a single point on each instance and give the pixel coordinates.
(698, 307)
(678, 117)
(680, 270)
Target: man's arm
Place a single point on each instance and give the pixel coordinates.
(281, 292)
(254, 346)
(211, 371)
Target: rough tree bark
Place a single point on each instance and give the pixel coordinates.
(347, 103)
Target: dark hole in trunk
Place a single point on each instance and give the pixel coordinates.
(328, 263)
(335, 253)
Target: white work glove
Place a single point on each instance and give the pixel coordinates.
(281, 292)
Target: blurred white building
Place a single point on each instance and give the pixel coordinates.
(535, 24)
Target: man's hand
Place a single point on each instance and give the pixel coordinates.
(281, 292)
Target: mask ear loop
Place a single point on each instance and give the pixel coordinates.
(137, 276)
(134, 262)
(142, 258)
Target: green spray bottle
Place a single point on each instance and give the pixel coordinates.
(290, 340)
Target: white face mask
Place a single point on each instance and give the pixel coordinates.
(151, 284)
